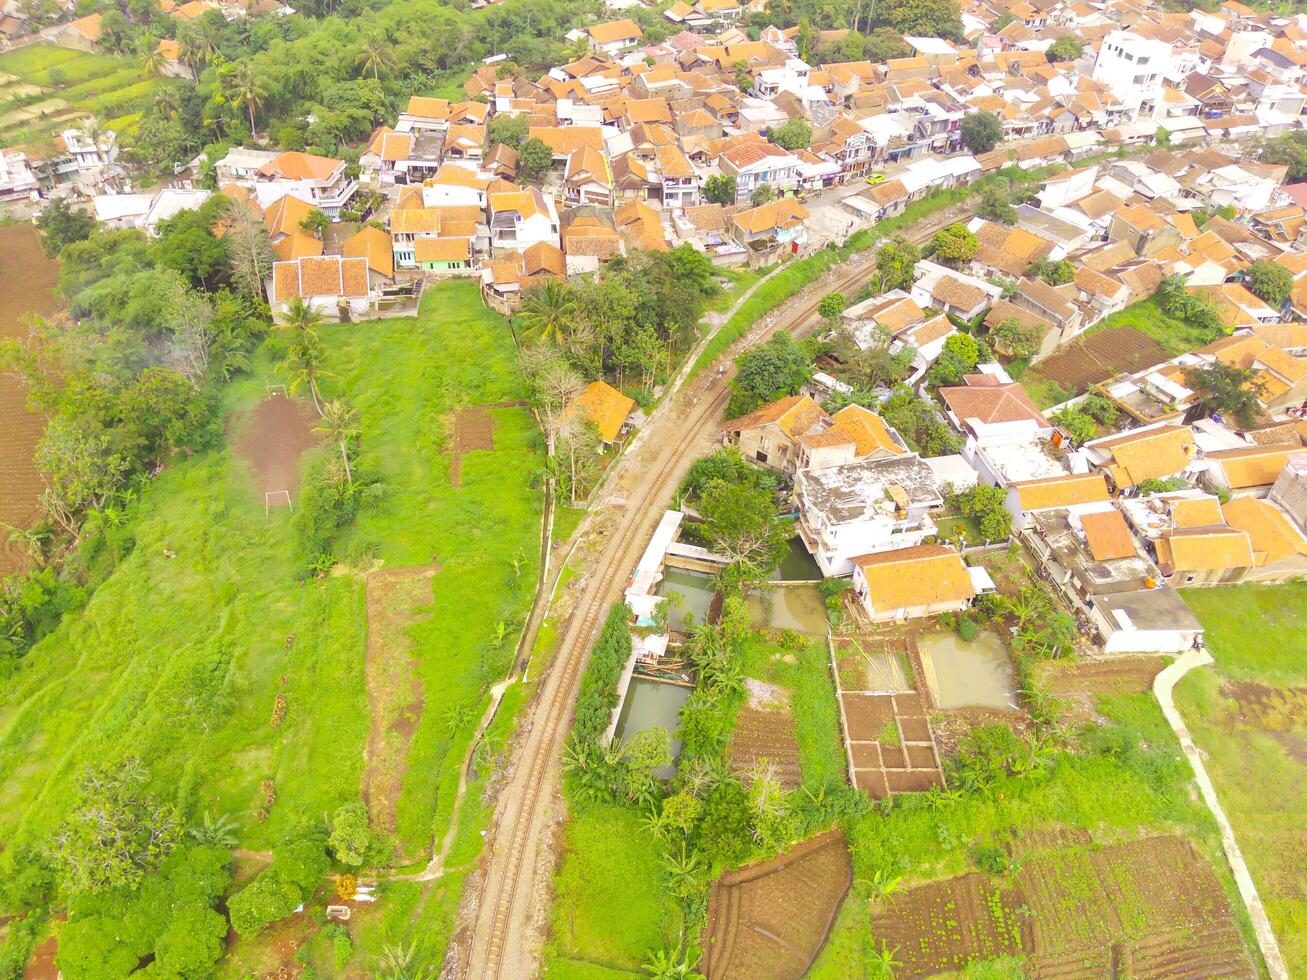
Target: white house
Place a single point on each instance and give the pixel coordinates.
(319, 181)
(520, 219)
(754, 164)
(1134, 68)
(336, 287)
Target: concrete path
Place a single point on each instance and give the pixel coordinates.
(1163, 686)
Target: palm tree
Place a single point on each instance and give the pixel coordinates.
(166, 102)
(33, 539)
(304, 365)
(220, 831)
(402, 963)
(341, 423)
(247, 90)
(549, 311)
(671, 964)
(376, 55)
(199, 43)
(154, 63)
(302, 318)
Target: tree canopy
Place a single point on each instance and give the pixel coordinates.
(1269, 281)
(775, 369)
(981, 131)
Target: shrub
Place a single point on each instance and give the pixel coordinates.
(598, 694)
(968, 629)
(353, 840)
(266, 899)
(726, 828)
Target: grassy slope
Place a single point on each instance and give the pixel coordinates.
(100, 84)
(1257, 633)
(178, 660)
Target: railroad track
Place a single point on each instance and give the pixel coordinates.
(500, 944)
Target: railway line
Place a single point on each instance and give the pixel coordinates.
(649, 473)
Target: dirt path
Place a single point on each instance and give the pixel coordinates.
(1163, 687)
(510, 909)
(395, 597)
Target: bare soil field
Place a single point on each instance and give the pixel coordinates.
(766, 736)
(890, 743)
(272, 439)
(1115, 675)
(768, 921)
(473, 430)
(395, 599)
(23, 294)
(1094, 359)
(1147, 909)
(1272, 709)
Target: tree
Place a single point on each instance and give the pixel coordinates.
(743, 77)
(831, 307)
(81, 469)
(549, 311)
(1269, 281)
(996, 204)
(981, 131)
(246, 90)
(1054, 273)
(303, 365)
(352, 840)
(719, 189)
(883, 44)
(725, 832)
(192, 943)
(249, 249)
(959, 357)
(340, 423)
(376, 55)
(1016, 339)
(507, 129)
(794, 134)
(60, 226)
(534, 157)
(552, 384)
(774, 370)
(1079, 425)
(744, 525)
(956, 243)
(158, 412)
(188, 245)
(987, 507)
(115, 834)
(315, 222)
(266, 899)
(1065, 48)
(1098, 406)
(681, 811)
(762, 194)
(916, 420)
(896, 262)
(1225, 389)
(1289, 149)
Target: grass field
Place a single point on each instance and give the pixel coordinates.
(43, 87)
(1249, 716)
(178, 660)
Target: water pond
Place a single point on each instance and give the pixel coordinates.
(795, 607)
(796, 565)
(694, 592)
(650, 704)
(968, 675)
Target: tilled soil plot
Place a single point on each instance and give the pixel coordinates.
(1149, 909)
(474, 429)
(1094, 359)
(890, 743)
(1115, 675)
(28, 289)
(766, 737)
(768, 921)
(272, 440)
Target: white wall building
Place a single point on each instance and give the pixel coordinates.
(1134, 67)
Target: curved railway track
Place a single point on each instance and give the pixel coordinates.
(500, 944)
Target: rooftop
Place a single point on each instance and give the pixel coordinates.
(848, 493)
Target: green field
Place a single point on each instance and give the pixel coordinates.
(178, 660)
(1249, 716)
(72, 84)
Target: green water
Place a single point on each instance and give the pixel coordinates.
(650, 704)
(695, 590)
(969, 675)
(796, 607)
(796, 565)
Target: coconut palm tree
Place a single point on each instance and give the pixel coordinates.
(341, 423)
(165, 103)
(247, 91)
(32, 539)
(154, 63)
(199, 44)
(376, 55)
(399, 962)
(304, 365)
(549, 311)
(302, 318)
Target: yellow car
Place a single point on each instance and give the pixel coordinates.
(875, 178)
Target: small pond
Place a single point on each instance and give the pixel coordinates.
(796, 565)
(795, 607)
(968, 675)
(650, 704)
(695, 591)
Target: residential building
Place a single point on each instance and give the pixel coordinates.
(319, 181)
(912, 583)
(521, 219)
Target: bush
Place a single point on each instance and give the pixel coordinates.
(266, 899)
(598, 694)
(725, 832)
(968, 629)
(987, 507)
(353, 840)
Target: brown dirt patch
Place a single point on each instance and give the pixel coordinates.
(1150, 909)
(1116, 675)
(766, 737)
(272, 438)
(1094, 359)
(1272, 709)
(474, 430)
(890, 743)
(395, 600)
(31, 292)
(42, 965)
(768, 921)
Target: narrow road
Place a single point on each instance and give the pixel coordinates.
(1163, 686)
(512, 903)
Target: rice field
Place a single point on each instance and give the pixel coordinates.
(43, 88)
